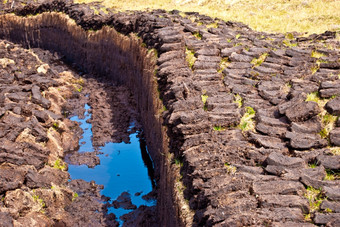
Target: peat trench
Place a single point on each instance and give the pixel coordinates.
(242, 126)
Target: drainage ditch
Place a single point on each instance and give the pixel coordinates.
(123, 164)
(120, 60)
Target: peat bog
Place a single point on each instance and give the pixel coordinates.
(242, 126)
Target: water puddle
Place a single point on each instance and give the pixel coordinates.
(124, 167)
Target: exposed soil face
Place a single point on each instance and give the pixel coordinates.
(113, 110)
(36, 134)
(253, 123)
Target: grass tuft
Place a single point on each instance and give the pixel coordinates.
(58, 164)
(328, 210)
(40, 201)
(223, 64)
(328, 122)
(204, 98)
(75, 195)
(247, 123)
(314, 97)
(312, 165)
(230, 168)
(315, 68)
(212, 25)
(258, 61)
(197, 35)
(332, 175)
(218, 128)
(316, 54)
(238, 100)
(190, 57)
(78, 87)
(289, 36)
(314, 197)
(55, 126)
(288, 43)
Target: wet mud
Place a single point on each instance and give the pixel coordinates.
(36, 134)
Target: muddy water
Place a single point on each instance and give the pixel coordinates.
(124, 168)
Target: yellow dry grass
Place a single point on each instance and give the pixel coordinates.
(312, 16)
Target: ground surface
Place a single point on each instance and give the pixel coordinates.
(315, 16)
(35, 136)
(39, 93)
(253, 118)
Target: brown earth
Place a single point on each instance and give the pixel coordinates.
(282, 87)
(36, 134)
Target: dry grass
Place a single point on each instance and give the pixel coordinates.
(312, 16)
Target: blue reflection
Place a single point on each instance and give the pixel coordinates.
(121, 168)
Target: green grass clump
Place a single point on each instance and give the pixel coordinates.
(55, 126)
(238, 100)
(328, 210)
(316, 54)
(78, 87)
(79, 81)
(247, 123)
(75, 195)
(154, 52)
(230, 168)
(197, 35)
(37, 199)
(177, 162)
(258, 61)
(315, 198)
(190, 57)
(289, 36)
(314, 97)
(218, 128)
(315, 68)
(204, 98)
(223, 64)
(312, 165)
(58, 164)
(212, 25)
(332, 175)
(328, 122)
(288, 43)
